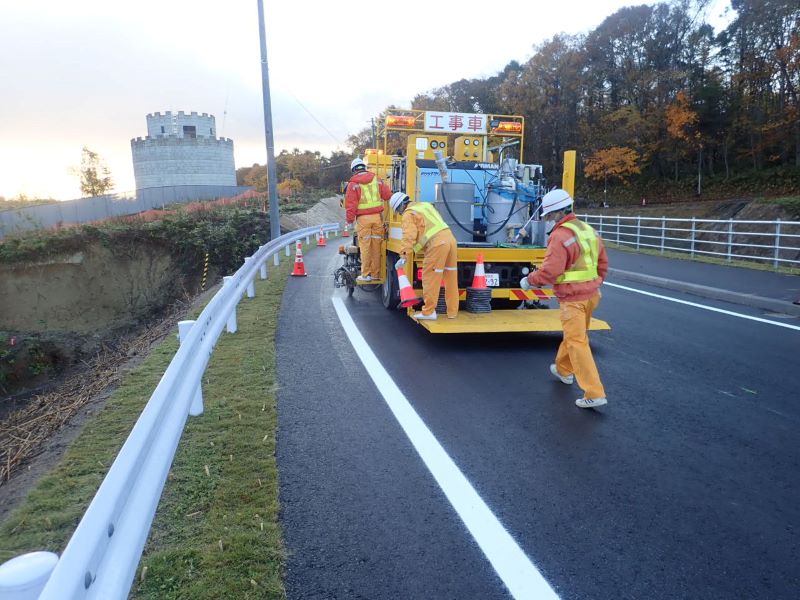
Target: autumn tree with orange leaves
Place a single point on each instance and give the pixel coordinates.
(616, 163)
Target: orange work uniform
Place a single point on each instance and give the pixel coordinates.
(577, 299)
(364, 204)
(440, 260)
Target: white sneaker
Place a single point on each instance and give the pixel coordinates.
(364, 278)
(568, 379)
(420, 317)
(590, 402)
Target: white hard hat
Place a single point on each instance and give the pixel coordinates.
(357, 162)
(397, 199)
(555, 200)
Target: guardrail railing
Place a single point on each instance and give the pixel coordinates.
(776, 242)
(101, 557)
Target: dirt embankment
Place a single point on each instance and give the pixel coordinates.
(59, 311)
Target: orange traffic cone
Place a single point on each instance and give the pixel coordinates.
(345, 233)
(407, 297)
(479, 280)
(321, 239)
(299, 266)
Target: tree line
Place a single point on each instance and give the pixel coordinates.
(653, 95)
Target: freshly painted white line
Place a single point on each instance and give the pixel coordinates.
(521, 577)
(703, 306)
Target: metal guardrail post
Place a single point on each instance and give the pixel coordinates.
(691, 248)
(617, 229)
(601, 225)
(24, 577)
(638, 230)
(251, 285)
(262, 270)
(276, 259)
(777, 242)
(308, 240)
(196, 408)
(730, 239)
(230, 326)
(663, 231)
(288, 251)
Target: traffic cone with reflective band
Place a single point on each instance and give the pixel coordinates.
(321, 239)
(479, 280)
(345, 233)
(299, 266)
(407, 297)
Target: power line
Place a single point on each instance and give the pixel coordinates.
(335, 139)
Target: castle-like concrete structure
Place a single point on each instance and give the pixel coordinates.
(182, 149)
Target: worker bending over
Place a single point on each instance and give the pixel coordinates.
(364, 206)
(575, 264)
(424, 230)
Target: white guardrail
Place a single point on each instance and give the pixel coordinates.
(101, 558)
(777, 242)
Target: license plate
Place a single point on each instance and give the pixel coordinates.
(493, 279)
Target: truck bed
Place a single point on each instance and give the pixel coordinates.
(502, 320)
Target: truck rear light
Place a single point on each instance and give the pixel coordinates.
(507, 127)
(400, 121)
(419, 274)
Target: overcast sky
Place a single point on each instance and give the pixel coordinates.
(86, 72)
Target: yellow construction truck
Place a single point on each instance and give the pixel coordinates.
(470, 166)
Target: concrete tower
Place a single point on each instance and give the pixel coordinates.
(181, 149)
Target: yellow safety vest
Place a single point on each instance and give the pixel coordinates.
(370, 195)
(433, 222)
(585, 268)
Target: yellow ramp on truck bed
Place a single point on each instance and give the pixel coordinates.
(502, 320)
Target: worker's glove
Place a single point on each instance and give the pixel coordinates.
(524, 284)
(400, 263)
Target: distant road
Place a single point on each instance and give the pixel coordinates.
(684, 486)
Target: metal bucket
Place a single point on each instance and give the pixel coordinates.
(458, 209)
(497, 210)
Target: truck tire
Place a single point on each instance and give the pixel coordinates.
(390, 294)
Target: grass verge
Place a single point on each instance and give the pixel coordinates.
(216, 533)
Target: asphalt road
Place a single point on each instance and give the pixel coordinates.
(684, 486)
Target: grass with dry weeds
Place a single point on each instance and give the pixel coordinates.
(216, 533)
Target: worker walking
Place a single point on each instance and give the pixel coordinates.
(364, 206)
(575, 264)
(425, 230)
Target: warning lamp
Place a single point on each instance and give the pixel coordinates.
(400, 121)
(419, 274)
(507, 127)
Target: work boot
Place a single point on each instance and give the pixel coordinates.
(590, 402)
(568, 379)
(421, 317)
(364, 278)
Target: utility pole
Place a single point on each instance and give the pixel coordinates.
(374, 134)
(274, 216)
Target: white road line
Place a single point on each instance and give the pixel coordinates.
(703, 306)
(521, 577)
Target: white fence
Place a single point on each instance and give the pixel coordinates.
(86, 210)
(101, 558)
(775, 242)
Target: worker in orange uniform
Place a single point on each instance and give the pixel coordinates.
(424, 230)
(363, 204)
(575, 265)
